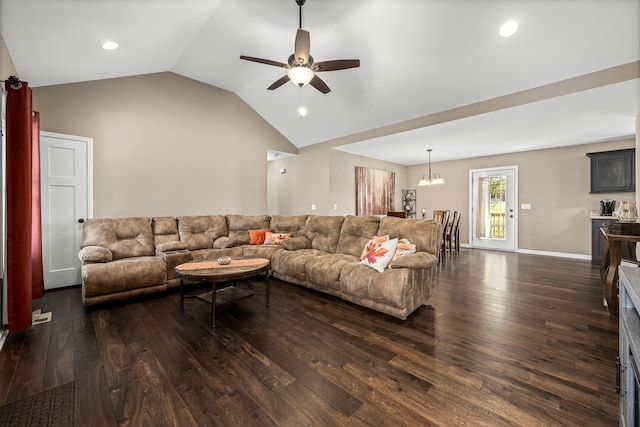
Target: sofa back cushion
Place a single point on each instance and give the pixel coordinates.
(124, 237)
(356, 232)
(424, 233)
(199, 232)
(323, 231)
(239, 226)
(165, 229)
(288, 224)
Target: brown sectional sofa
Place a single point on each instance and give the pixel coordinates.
(126, 257)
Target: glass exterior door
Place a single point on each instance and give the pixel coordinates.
(493, 207)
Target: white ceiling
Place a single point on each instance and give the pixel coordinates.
(418, 58)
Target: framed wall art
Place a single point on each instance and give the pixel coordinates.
(375, 191)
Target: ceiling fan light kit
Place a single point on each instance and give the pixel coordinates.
(300, 76)
(302, 68)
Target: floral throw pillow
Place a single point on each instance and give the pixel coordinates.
(405, 247)
(372, 243)
(380, 255)
(275, 238)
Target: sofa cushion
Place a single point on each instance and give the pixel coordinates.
(323, 231)
(123, 275)
(239, 226)
(199, 232)
(211, 253)
(355, 232)
(323, 272)
(392, 291)
(165, 229)
(425, 234)
(260, 251)
(124, 237)
(291, 264)
(288, 224)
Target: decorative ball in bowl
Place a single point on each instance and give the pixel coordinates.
(224, 260)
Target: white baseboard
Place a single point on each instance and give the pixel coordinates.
(543, 253)
(556, 254)
(3, 337)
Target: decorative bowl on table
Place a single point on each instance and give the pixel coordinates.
(224, 260)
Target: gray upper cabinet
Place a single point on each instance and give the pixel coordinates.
(613, 171)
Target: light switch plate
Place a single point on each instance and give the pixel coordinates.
(525, 206)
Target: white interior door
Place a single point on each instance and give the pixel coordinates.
(65, 175)
(493, 200)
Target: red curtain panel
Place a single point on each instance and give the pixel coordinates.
(21, 163)
(37, 275)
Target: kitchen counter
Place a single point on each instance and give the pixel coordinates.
(598, 216)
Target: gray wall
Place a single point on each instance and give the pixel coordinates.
(554, 181)
(165, 144)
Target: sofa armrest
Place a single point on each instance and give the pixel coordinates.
(295, 243)
(94, 254)
(416, 260)
(170, 247)
(175, 258)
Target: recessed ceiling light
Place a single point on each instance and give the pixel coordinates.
(109, 45)
(508, 29)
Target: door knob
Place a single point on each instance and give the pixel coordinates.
(81, 220)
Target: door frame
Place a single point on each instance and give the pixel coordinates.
(89, 164)
(514, 168)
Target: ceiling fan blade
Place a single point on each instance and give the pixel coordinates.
(264, 61)
(282, 80)
(319, 84)
(337, 64)
(303, 44)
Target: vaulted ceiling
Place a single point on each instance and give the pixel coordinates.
(434, 73)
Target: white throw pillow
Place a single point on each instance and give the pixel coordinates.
(405, 247)
(372, 243)
(380, 255)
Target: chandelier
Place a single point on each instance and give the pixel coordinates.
(432, 178)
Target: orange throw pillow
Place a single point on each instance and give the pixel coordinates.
(256, 237)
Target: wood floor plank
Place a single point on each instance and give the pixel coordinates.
(28, 377)
(507, 339)
(59, 368)
(10, 356)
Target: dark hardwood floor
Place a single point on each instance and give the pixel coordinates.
(508, 340)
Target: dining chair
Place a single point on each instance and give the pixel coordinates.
(452, 238)
(442, 216)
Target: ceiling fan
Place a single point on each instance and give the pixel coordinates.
(302, 68)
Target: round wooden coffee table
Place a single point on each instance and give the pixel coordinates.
(211, 271)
